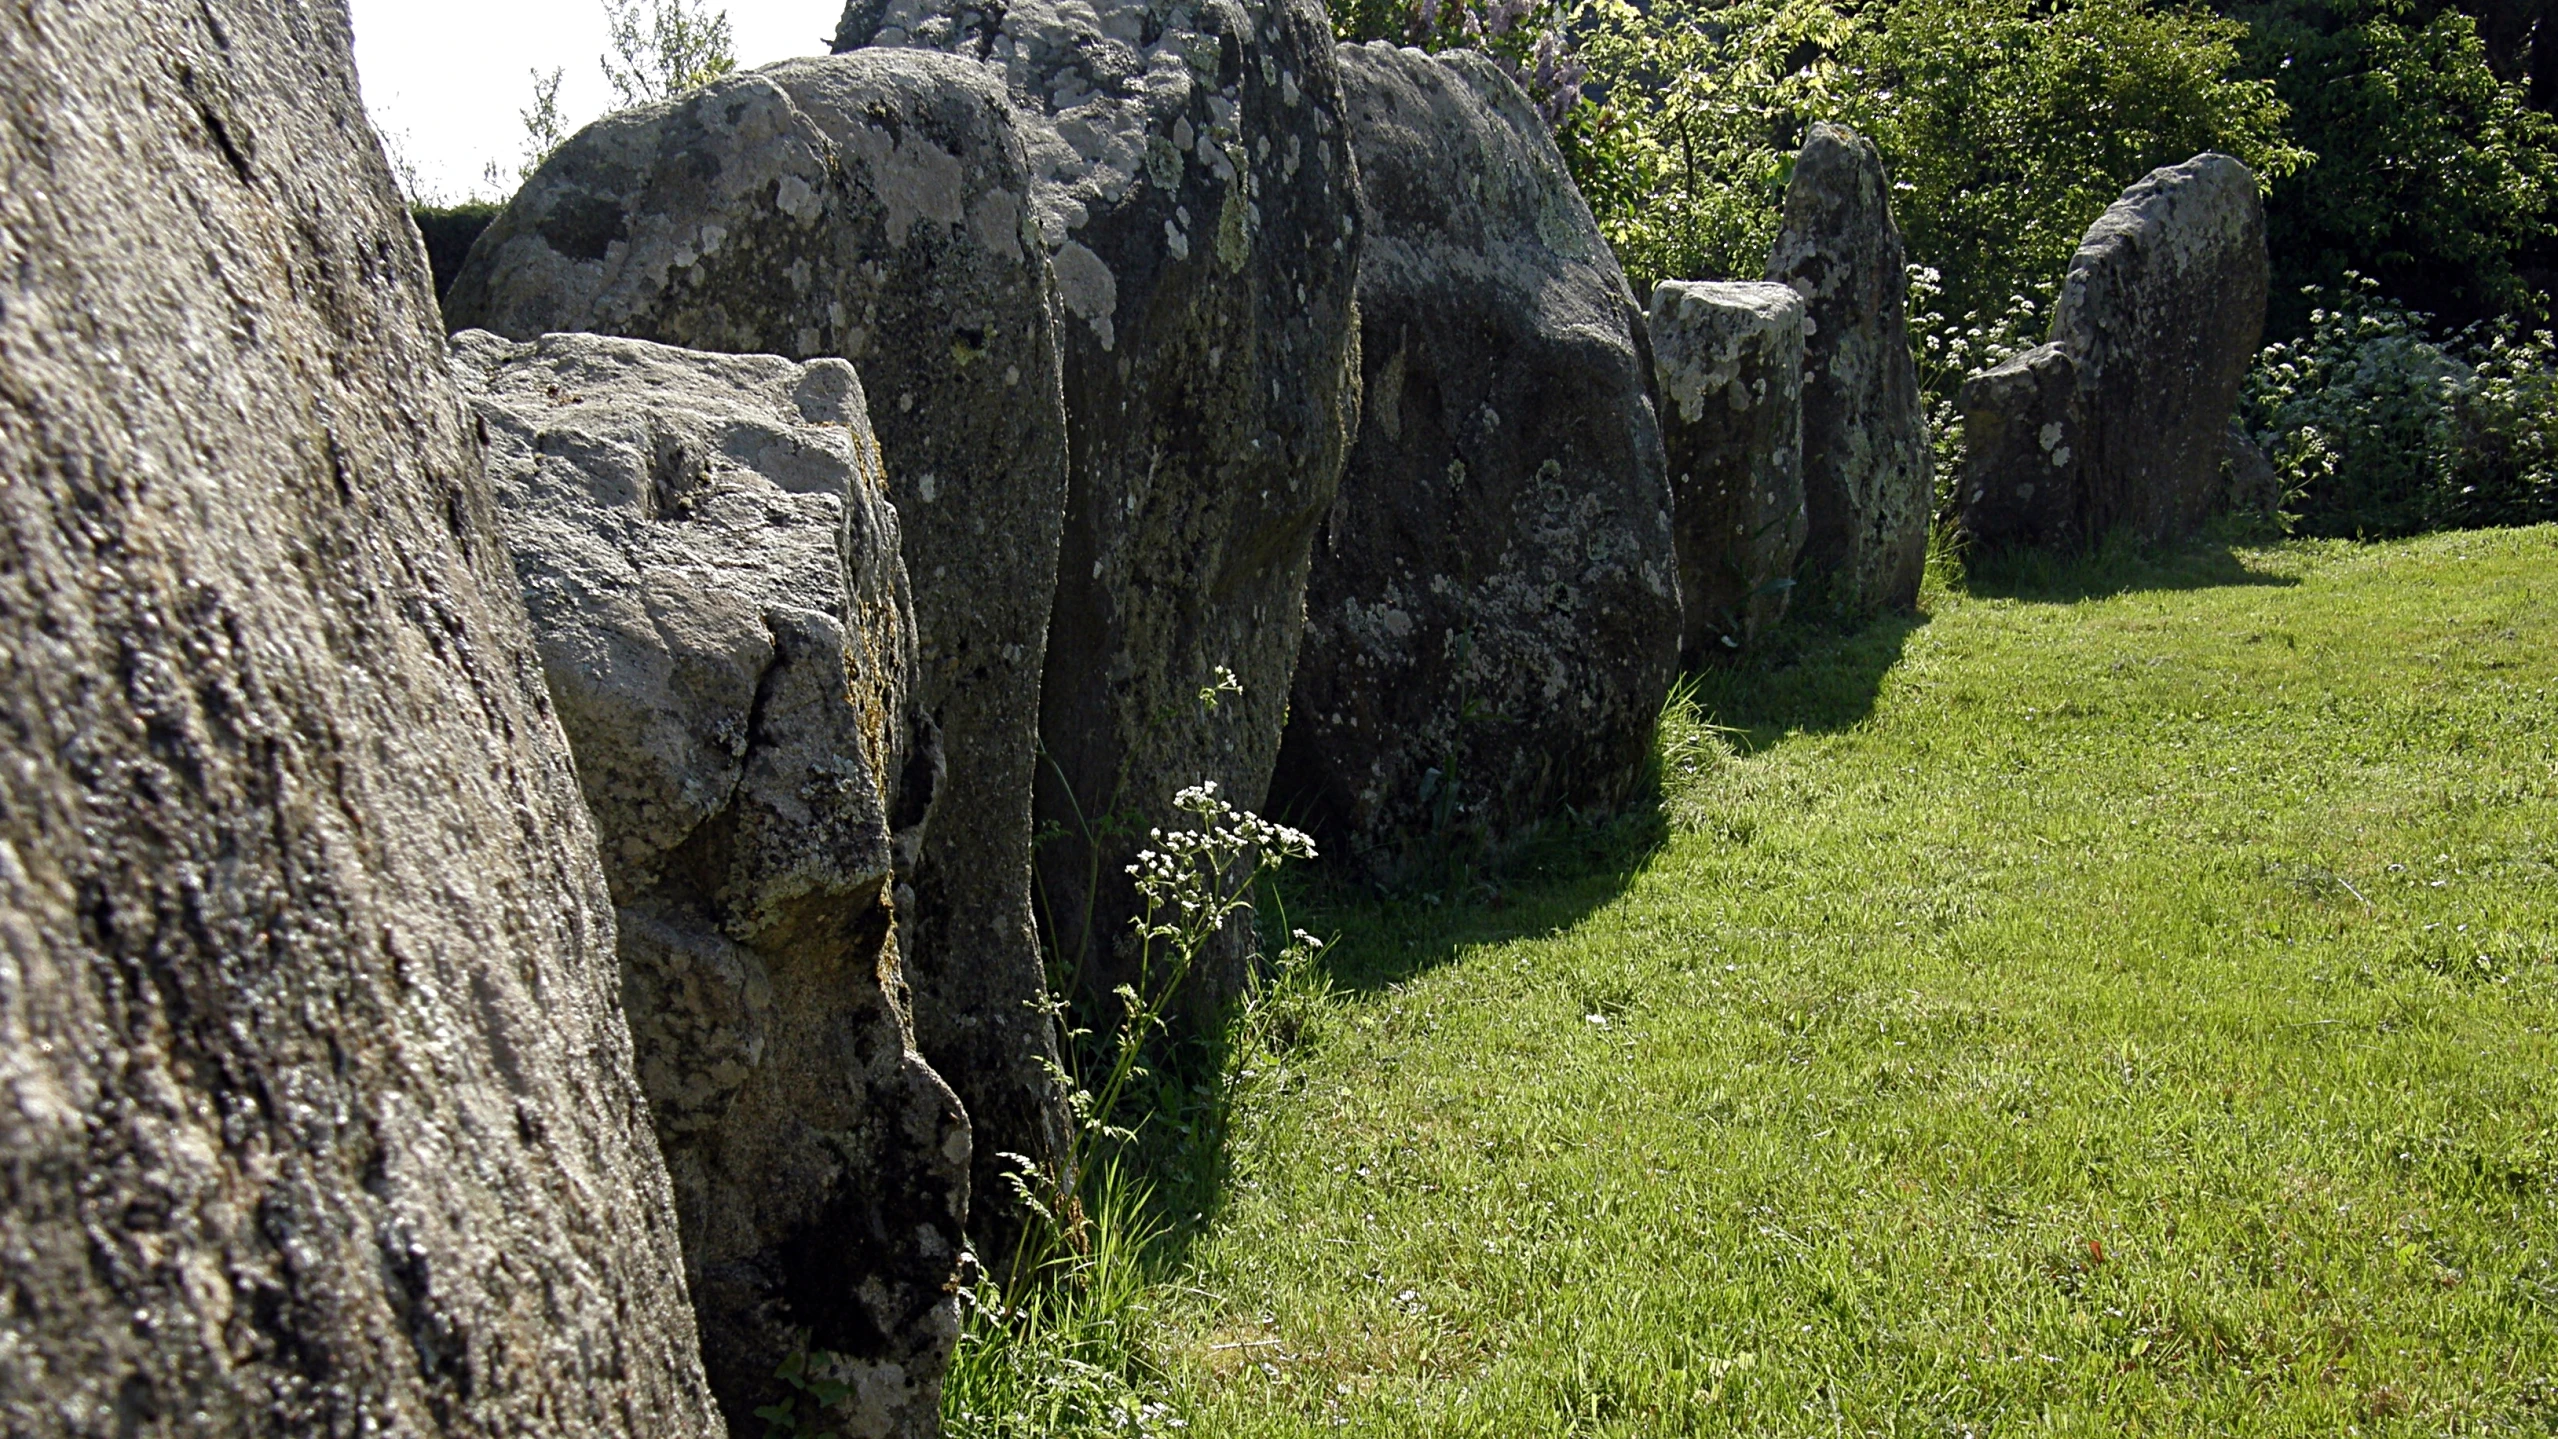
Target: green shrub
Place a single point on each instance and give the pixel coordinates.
(1530, 39)
(2433, 177)
(2379, 429)
(1694, 114)
(2504, 467)
(2008, 125)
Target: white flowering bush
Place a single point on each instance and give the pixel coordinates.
(1949, 352)
(1061, 1353)
(2356, 416)
(2377, 427)
(2504, 453)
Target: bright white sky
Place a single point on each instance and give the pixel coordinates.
(446, 80)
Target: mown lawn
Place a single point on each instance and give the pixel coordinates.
(2119, 1002)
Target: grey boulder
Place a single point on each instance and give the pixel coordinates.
(1869, 476)
(320, 1113)
(2253, 486)
(1196, 195)
(1728, 359)
(710, 561)
(1492, 621)
(2120, 422)
(872, 207)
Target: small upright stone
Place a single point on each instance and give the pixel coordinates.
(2121, 421)
(710, 560)
(1868, 474)
(2021, 441)
(1729, 359)
(1197, 198)
(872, 207)
(1492, 621)
(2253, 486)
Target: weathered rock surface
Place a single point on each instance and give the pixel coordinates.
(870, 207)
(320, 1114)
(2020, 457)
(2253, 487)
(1729, 361)
(1868, 473)
(1492, 619)
(1196, 193)
(2120, 422)
(710, 560)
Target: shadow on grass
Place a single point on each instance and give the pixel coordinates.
(1807, 676)
(2117, 567)
(1373, 941)
(1817, 675)
(1551, 883)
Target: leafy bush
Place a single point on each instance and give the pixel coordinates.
(2008, 125)
(1950, 350)
(2504, 467)
(1695, 114)
(664, 51)
(2378, 429)
(1530, 39)
(2433, 177)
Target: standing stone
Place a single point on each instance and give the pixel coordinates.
(734, 682)
(2120, 422)
(1729, 359)
(1196, 193)
(870, 207)
(2019, 480)
(1492, 621)
(320, 1115)
(1869, 477)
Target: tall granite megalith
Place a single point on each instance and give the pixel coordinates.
(1492, 619)
(1729, 362)
(1195, 192)
(2121, 421)
(1869, 476)
(871, 207)
(320, 1114)
(711, 565)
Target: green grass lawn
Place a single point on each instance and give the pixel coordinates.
(2117, 1002)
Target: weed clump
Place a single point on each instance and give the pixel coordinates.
(1054, 1343)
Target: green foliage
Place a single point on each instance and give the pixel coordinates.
(1697, 110)
(2356, 416)
(2008, 125)
(2377, 428)
(1054, 1343)
(1528, 39)
(2433, 177)
(1950, 350)
(2504, 467)
(813, 1382)
(665, 49)
(2123, 1003)
(1068, 1356)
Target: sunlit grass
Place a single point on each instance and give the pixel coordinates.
(2118, 1003)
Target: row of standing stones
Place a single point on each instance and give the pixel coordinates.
(521, 909)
